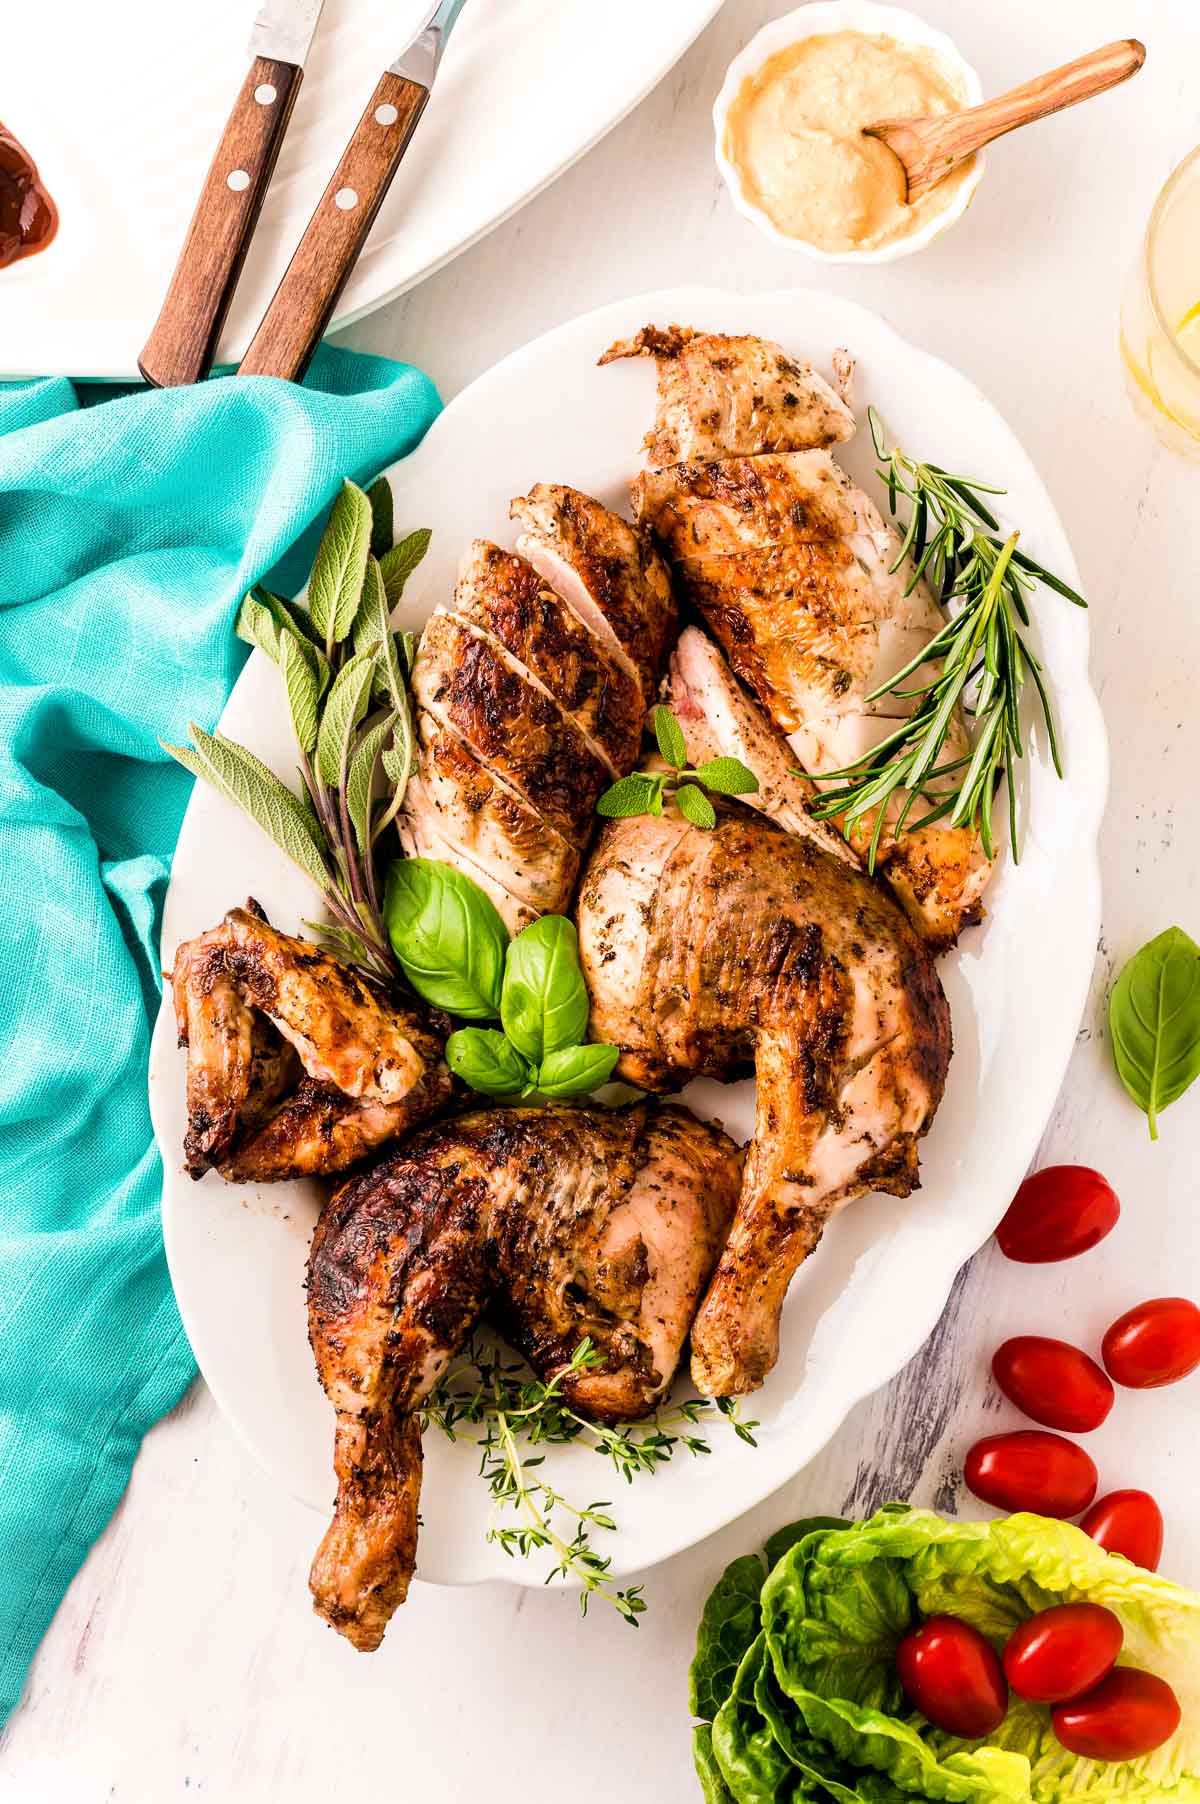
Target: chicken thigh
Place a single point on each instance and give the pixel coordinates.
(297, 1064)
(714, 953)
(561, 1223)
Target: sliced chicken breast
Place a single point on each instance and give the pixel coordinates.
(719, 394)
(746, 504)
(606, 570)
(503, 596)
(468, 685)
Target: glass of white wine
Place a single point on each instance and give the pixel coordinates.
(1160, 315)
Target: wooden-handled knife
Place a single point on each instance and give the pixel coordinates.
(183, 342)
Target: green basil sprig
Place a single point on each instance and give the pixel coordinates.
(455, 951)
(1154, 1019)
(645, 791)
(344, 672)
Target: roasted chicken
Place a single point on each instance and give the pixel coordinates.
(297, 1064)
(714, 953)
(559, 1223)
(530, 693)
(794, 570)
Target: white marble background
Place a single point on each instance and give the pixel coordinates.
(184, 1661)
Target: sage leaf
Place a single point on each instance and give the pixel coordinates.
(484, 1058)
(335, 586)
(373, 633)
(669, 734)
(399, 563)
(447, 935)
(631, 795)
(301, 684)
(544, 1001)
(342, 940)
(359, 781)
(695, 806)
(382, 522)
(345, 707)
(576, 1070)
(242, 777)
(1154, 1018)
(257, 625)
(727, 777)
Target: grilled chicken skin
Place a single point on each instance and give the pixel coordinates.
(296, 1063)
(711, 953)
(716, 393)
(794, 571)
(560, 1223)
(531, 688)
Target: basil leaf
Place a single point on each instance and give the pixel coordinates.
(242, 777)
(669, 734)
(336, 583)
(447, 935)
(1154, 1017)
(631, 795)
(399, 563)
(484, 1058)
(544, 1001)
(695, 806)
(345, 707)
(576, 1070)
(727, 777)
(383, 528)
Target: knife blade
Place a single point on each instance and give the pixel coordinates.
(183, 341)
(284, 30)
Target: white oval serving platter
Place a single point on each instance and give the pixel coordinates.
(124, 119)
(873, 1291)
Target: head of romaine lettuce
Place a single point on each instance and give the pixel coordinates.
(794, 1676)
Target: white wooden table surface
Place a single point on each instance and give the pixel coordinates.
(184, 1660)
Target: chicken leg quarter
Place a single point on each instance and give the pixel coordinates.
(706, 952)
(560, 1222)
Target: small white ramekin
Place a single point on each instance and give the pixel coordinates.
(874, 20)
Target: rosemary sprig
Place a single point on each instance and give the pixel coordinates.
(345, 673)
(514, 1411)
(952, 540)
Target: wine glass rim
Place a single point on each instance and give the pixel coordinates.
(1165, 195)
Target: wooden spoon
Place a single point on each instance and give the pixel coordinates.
(929, 148)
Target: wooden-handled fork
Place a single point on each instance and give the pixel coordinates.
(929, 148)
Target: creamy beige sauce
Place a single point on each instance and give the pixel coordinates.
(794, 134)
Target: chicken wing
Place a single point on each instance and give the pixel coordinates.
(297, 1064)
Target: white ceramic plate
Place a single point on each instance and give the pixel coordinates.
(123, 119)
(864, 1303)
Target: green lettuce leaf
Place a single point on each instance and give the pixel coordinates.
(755, 1768)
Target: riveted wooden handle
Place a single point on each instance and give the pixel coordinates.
(306, 297)
(930, 148)
(184, 340)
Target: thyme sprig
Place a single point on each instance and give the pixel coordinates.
(515, 1411)
(951, 538)
(345, 673)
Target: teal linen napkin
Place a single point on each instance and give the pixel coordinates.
(128, 533)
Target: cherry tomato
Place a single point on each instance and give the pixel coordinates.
(953, 1676)
(1063, 1651)
(1057, 1213)
(1128, 1714)
(1032, 1470)
(1155, 1343)
(1053, 1382)
(1128, 1522)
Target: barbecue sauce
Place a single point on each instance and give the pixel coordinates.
(28, 216)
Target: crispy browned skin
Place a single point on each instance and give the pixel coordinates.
(711, 953)
(296, 1063)
(503, 596)
(561, 1222)
(718, 393)
(606, 570)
